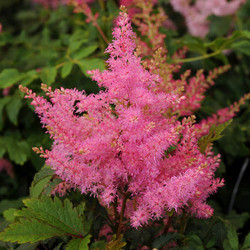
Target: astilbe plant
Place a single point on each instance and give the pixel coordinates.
(126, 145)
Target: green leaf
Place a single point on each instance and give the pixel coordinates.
(242, 46)
(246, 244)
(29, 230)
(66, 69)
(195, 242)
(237, 220)
(9, 214)
(84, 52)
(41, 181)
(226, 245)
(43, 173)
(29, 77)
(90, 64)
(54, 212)
(79, 244)
(8, 77)
(13, 107)
(18, 150)
(51, 186)
(3, 103)
(75, 45)
(233, 238)
(214, 134)
(48, 75)
(194, 44)
(37, 189)
(45, 218)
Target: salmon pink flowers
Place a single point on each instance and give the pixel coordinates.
(124, 145)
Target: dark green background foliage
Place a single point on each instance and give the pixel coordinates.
(58, 48)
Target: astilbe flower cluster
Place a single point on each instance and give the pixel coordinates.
(124, 145)
(196, 14)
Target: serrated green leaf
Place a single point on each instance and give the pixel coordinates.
(29, 230)
(9, 214)
(84, 52)
(90, 64)
(9, 77)
(79, 244)
(246, 244)
(66, 69)
(42, 219)
(48, 75)
(242, 46)
(54, 212)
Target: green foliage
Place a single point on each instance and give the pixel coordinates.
(79, 244)
(66, 69)
(10, 76)
(29, 230)
(231, 243)
(246, 244)
(40, 181)
(45, 218)
(242, 46)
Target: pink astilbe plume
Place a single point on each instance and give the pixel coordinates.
(123, 144)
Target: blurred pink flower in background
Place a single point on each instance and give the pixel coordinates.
(5, 165)
(196, 14)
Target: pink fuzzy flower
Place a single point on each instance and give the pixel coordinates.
(121, 143)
